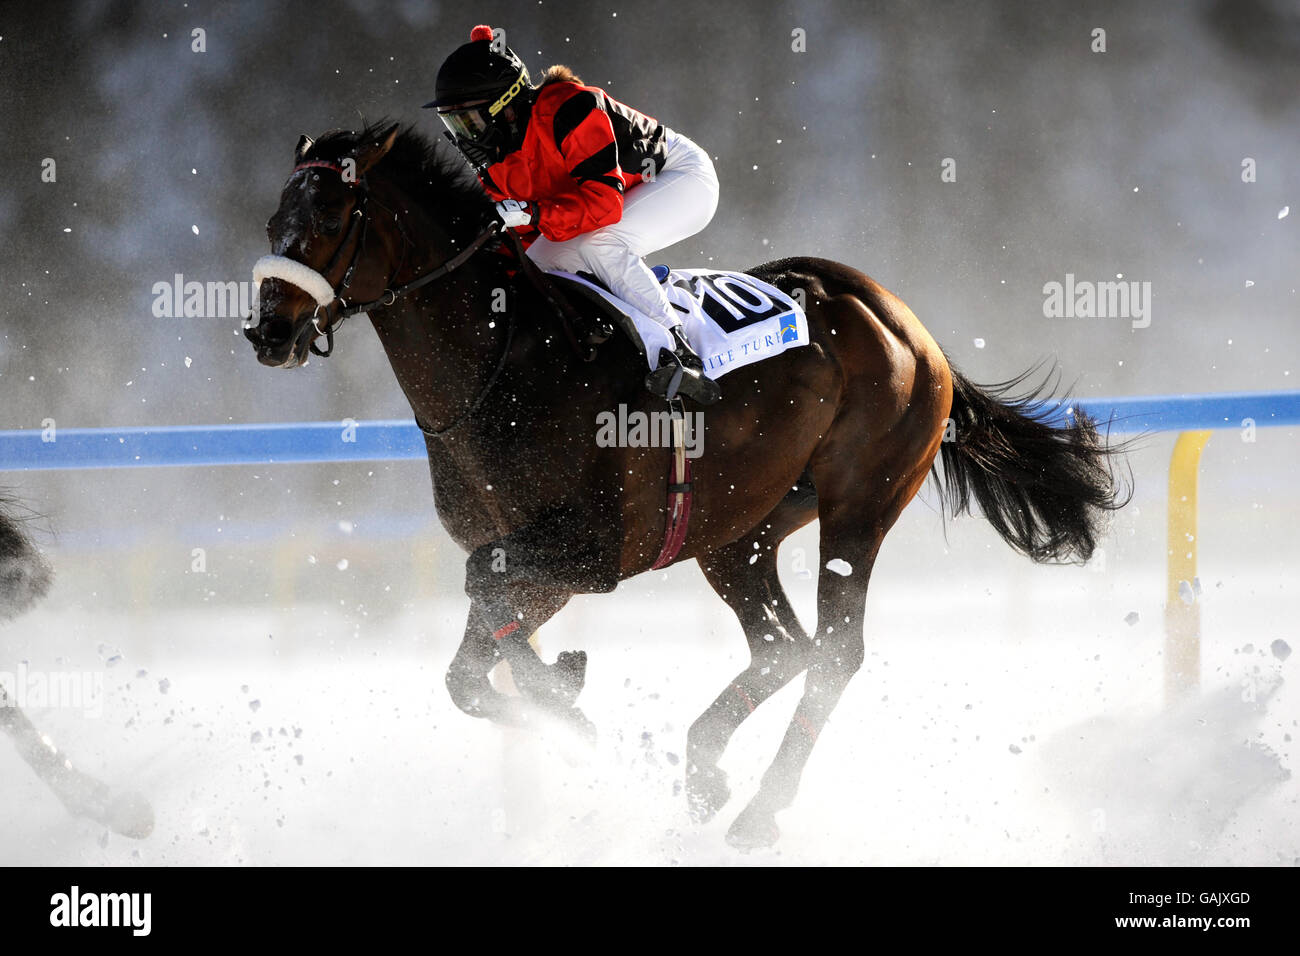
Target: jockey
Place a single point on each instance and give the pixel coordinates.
(602, 183)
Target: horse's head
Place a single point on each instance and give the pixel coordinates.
(325, 252)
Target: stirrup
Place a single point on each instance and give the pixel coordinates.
(673, 378)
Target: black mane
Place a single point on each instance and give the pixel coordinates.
(433, 172)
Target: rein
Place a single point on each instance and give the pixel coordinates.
(483, 392)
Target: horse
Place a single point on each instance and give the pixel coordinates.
(25, 578)
(844, 430)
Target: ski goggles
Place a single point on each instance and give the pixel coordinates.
(470, 123)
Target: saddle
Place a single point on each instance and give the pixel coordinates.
(588, 328)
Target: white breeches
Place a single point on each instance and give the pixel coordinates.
(673, 206)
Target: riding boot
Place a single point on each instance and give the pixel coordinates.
(681, 372)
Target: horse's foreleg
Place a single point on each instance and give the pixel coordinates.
(467, 676)
(554, 686)
(778, 648)
(499, 629)
(516, 584)
(83, 795)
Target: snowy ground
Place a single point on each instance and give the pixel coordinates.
(968, 747)
(1006, 714)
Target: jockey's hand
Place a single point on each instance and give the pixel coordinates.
(514, 212)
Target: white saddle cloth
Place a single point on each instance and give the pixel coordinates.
(730, 318)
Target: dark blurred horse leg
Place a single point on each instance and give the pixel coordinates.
(128, 814)
(778, 646)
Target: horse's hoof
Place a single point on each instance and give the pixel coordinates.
(753, 829)
(130, 815)
(586, 729)
(706, 793)
(581, 726)
(570, 669)
(554, 687)
(576, 742)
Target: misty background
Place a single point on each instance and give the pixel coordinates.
(1067, 161)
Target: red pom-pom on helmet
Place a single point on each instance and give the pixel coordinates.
(480, 32)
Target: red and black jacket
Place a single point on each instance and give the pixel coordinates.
(582, 150)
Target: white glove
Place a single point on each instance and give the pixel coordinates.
(514, 212)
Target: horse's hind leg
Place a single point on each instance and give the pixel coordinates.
(857, 505)
(836, 655)
(747, 580)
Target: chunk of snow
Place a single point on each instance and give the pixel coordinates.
(1131, 618)
(1281, 649)
(839, 566)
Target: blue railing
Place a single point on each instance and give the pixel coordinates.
(1177, 413)
(170, 445)
(397, 440)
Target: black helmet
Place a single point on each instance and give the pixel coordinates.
(474, 86)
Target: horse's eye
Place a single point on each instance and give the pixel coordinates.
(331, 226)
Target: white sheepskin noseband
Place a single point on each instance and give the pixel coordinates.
(295, 273)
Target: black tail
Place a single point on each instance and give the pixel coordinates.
(1044, 488)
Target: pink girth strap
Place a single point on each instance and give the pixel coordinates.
(679, 510)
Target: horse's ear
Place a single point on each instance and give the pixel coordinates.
(305, 143)
(368, 155)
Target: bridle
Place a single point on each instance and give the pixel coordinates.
(326, 294)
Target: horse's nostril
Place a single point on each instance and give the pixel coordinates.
(274, 331)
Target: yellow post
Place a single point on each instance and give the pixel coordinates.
(1182, 612)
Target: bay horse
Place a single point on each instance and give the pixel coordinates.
(844, 430)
